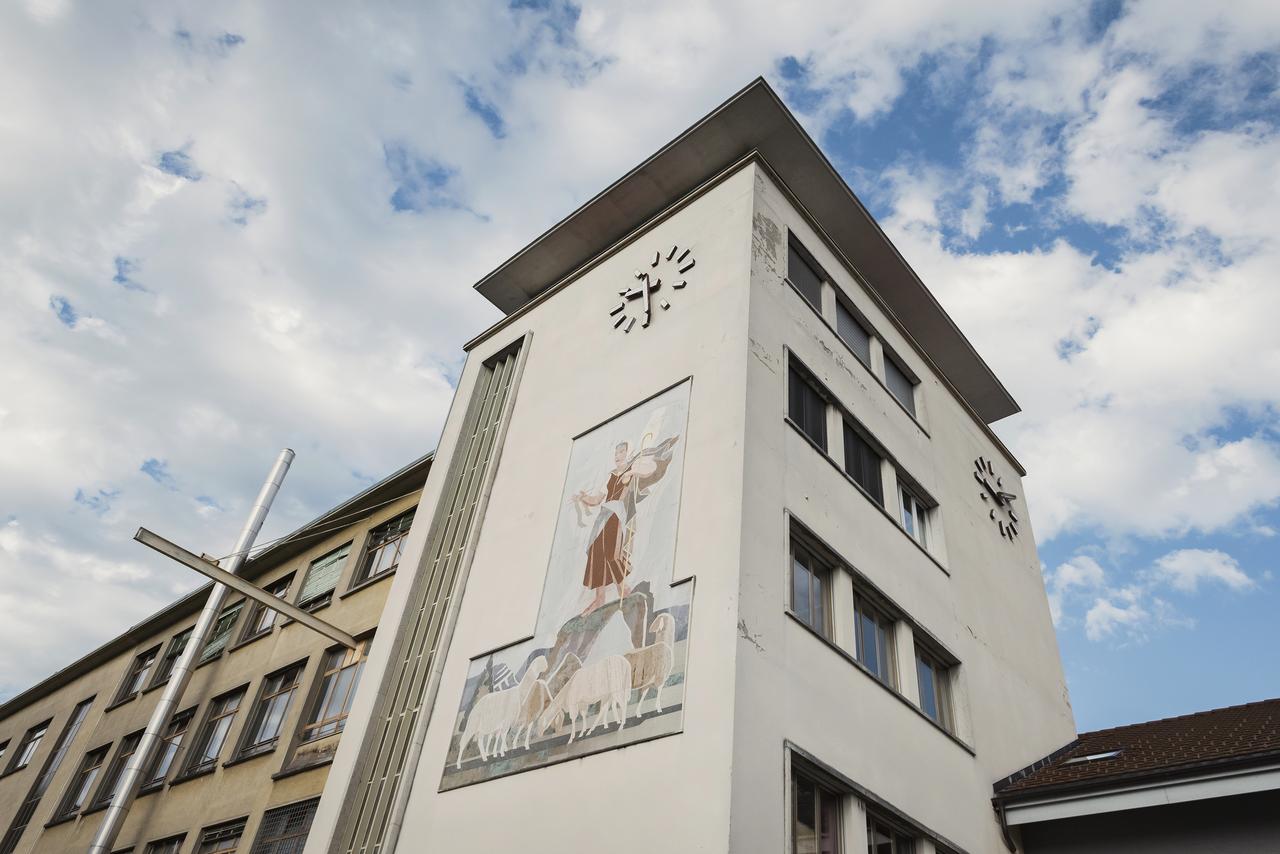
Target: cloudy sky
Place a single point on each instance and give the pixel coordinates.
(227, 228)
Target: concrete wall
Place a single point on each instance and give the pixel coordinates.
(231, 792)
(978, 595)
(1242, 824)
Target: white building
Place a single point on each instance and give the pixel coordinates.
(719, 490)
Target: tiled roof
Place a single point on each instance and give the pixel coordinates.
(1236, 735)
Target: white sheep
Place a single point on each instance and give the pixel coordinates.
(493, 715)
(607, 682)
(534, 705)
(651, 665)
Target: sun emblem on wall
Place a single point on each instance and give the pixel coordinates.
(653, 288)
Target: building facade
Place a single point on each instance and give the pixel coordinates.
(721, 553)
(1205, 783)
(245, 758)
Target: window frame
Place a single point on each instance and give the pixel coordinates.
(800, 376)
(941, 672)
(257, 714)
(822, 796)
(115, 771)
(853, 429)
(324, 597)
(864, 607)
(185, 718)
(261, 839)
(797, 249)
(371, 546)
(845, 305)
(310, 723)
(212, 715)
(79, 791)
(892, 362)
(236, 825)
(257, 610)
(28, 747)
(902, 840)
(798, 547)
(136, 674)
(921, 513)
(219, 643)
(163, 668)
(153, 847)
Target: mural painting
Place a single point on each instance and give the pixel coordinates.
(606, 664)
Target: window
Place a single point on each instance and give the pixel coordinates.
(815, 818)
(221, 632)
(915, 516)
(221, 839)
(78, 792)
(322, 577)
(137, 675)
(267, 718)
(340, 674)
(261, 618)
(807, 407)
(168, 749)
(885, 838)
(804, 274)
(28, 746)
(900, 385)
(51, 765)
(284, 830)
(874, 639)
(862, 464)
(4, 746)
(170, 845)
(810, 589)
(935, 693)
(115, 771)
(853, 333)
(383, 548)
(171, 655)
(208, 744)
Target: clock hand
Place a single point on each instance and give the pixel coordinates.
(647, 288)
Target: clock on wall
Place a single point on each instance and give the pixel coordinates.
(652, 288)
(993, 492)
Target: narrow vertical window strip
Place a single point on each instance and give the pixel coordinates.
(364, 822)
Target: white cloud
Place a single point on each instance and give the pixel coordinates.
(1185, 569)
(1107, 617)
(281, 300)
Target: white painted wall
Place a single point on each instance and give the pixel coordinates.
(988, 605)
(756, 678)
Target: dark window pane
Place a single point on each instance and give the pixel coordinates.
(853, 333)
(807, 408)
(903, 389)
(800, 589)
(928, 688)
(863, 464)
(806, 279)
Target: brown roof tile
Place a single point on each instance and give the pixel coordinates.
(1168, 747)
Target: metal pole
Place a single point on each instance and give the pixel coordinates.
(114, 816)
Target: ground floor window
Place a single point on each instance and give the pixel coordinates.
(886, 838)
(815, 822)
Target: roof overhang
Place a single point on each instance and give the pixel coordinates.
(1196, 787)
(756, 120)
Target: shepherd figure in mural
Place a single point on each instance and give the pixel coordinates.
(609, 547)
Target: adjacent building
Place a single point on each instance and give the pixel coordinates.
(245, 759)
(1207, 782)
(720, 552)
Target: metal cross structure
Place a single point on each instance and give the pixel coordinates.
(224, 580)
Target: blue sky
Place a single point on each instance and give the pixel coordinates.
(226, 230)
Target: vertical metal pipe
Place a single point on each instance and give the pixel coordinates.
(113, 817)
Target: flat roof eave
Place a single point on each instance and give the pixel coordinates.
(755, 119)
